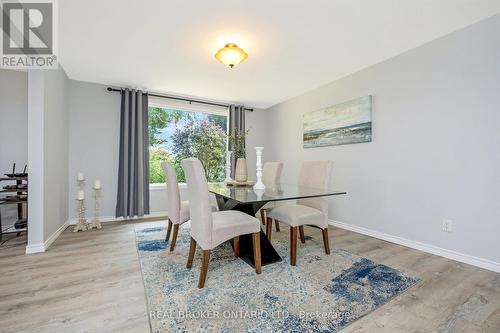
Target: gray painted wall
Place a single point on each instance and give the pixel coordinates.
(36, 111)
(94, 127)
(48, 119)
(13, 129)
(258, 136)
(436, 144)
(56, 150)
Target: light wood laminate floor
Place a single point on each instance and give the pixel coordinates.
(91, 282)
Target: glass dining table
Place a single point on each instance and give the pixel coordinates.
(250, 201)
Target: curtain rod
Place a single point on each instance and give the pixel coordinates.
(184, 99)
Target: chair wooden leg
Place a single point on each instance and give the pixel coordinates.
(263, 216)
(256, 252)
(174, 237)
(293, 246)
(301, 233)
(326, 242)
(204, 268)
(277, 225)
(236, 246)
(192, 249)
(269, 228)
(169, 229)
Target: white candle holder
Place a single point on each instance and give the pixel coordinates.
(228, 167)
(259, 185)
(96, 222)
(82, 224)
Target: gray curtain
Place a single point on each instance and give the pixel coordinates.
(236, 125)
(133, 170)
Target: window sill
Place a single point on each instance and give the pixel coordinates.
(163, 186)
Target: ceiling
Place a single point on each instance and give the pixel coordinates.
(293, 46)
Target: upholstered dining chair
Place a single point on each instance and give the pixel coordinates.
(210, 229)
(309, 211)
(178, 211)
(271, 176)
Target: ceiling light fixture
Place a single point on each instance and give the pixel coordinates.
(231, 55)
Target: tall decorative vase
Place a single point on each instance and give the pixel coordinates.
(259, 185)
(241, 173)
(228, 167)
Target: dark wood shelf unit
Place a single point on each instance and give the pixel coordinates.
(11, 202)
(19, 203)
(15, 190)
(13, 178)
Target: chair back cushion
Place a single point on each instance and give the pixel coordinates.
(315, 174)
(271, 173)
(174, 196)
(199, 202)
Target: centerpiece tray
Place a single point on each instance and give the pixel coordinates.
(235, 183)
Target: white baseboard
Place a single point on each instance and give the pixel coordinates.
(35, 248)
(105, 219)
(42, 247)
(56, 234)
(462, 257)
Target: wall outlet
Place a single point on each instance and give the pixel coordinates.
(447, 225)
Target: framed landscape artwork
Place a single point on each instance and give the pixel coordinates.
(349, 122)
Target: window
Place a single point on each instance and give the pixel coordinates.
(177, 131)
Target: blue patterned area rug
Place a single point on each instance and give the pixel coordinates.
(323, 293)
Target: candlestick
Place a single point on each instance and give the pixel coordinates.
(96, 222)
(82, 224)
(228, 167)
(259, 185)
(97, 184)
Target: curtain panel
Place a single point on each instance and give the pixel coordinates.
(133, 169)
(236, 125)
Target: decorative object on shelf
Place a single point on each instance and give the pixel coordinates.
(259, 185)
(19, 197)
(349, 122)
(18, 174)
(231, 55)
(228, 167)
(96, 222)
(21, 224)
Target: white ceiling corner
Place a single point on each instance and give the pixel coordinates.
(293, 46)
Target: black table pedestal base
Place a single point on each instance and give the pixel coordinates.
(267, 251)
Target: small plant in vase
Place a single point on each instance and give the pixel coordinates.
(237, 145)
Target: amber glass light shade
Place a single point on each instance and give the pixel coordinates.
(231, 55)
